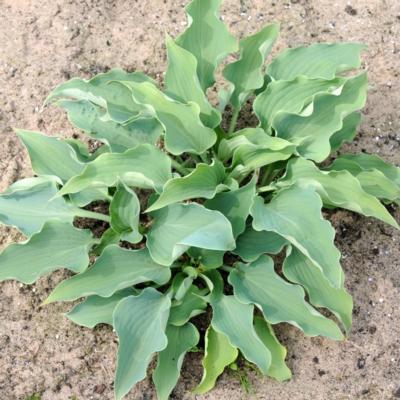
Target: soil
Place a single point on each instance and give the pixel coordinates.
(44, 43)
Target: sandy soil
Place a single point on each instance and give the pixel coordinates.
(44, 43)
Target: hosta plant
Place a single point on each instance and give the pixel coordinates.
(189, 213)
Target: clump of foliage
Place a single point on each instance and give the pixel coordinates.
(212, 204)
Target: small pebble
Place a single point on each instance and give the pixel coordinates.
(361, 363)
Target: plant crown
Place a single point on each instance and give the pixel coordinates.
(193, 211)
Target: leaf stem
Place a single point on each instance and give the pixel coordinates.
(178, 167)
(234, 119)
(80, 212)
(226, 268)
(204, 157)
(267, 174)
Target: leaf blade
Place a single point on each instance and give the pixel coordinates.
(207, 38)
(57, 245)
(294, 213)
(180, 226)
(115, 269)
(136, 318)
(218, 354)
(144, 166)
(181, 81)
(320, 60)
(246, 74)
(97, 310)
(257, 283)
(299, 270)
(204, 181)
(166, 374)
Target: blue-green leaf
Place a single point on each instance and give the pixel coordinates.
(235, 205)
(278, 368)
(258, 283)
(336, 188)
(116, 269)
(180, 226)
(290, 96)
(97, 310)
(207, 38)
(184, 131)
(125, 213)
(102, 91)
(50, 156)
(314, 128)
(203, 182)
(246, 74)
(182, 83)
(140, 323)
(29, 203)
(180, 340)
(251, 244)
(295, 214)
(57, 245)
(95, 122)
(235, 320)
(320, 60)
(298, 269)
(192, 304)
(144, 166)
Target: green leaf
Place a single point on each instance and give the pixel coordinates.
(87, 196)
(115, 269)
(246, 74)
(290, 96)
(298, 269)
(50, 156)
(145, 166)
(125, 213)
(108, 237)
(180, 340)
(207, 38)
(278, 368)
(347, 132)
(217, 355)
(336, 188)
(102, 91)
(258, 283)
(180, 226)
(253, 149)
(184, 131)
(295, 214)
(29, 203)
(203, 182)
(140, 323)
(97, 310)
(251, 244)
(315, 129)
(320, 60)
(235, 205)
(235, 320)
(376, 176)
(182, 83)
(190, 306)
(355, 163)
(96, 123)
(57, 245)
(208, 259)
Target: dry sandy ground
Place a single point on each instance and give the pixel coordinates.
(43, 43)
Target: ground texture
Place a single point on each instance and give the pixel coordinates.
(44, 43)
